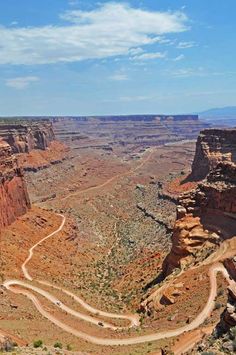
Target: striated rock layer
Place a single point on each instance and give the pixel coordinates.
(127, 131)
(23, 138)
(205, 217)
(14, 199)
(213, 146)
(229, 315)
(209, 207)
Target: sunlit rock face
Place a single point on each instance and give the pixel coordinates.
(213, 146)
(14, 199)
(23, 138)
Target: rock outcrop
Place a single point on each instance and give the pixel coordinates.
(34, 143)
(229, 316)
(209, 207)
(188, 238)
(217, 192)
(128, 131)
(24, 137)
(205, 217)
(14, 199)
(213, 146)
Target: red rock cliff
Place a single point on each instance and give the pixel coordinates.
(14, 199)
(24, 137)
(207, 213)
(213, 146)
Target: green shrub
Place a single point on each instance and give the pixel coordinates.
(58, 345)
(37, 343)
(234, 344)
(217, 305)
(69, 347)
(233, 333)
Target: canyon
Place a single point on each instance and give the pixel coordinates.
(107, 234)
(20, 144)
(14, 198)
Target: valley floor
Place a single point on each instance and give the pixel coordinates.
(107, 251)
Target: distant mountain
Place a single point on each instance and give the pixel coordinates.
(220, 116)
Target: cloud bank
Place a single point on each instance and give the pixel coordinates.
(110, 30)
(21, 82)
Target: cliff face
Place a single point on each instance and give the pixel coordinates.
(209, 207)
(14, 199)
(23, 138)
(34, 143)
(213, 146)
(128, 131)
(189, 237)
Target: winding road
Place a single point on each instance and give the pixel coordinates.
(13, 285)
(29, 290)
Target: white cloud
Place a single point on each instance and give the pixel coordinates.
(21, 82)
(119, 77)
(73, 2)
(135, 51)
(148, 56)
(179, 57)
(136, 98)
(112, 29)
(188, 72)
(197, 72)
(185, 45)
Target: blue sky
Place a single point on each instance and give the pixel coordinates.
(77, 57)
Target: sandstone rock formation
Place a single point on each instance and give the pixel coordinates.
(128, 131)
(14, 199)
(228, 318)
(212, 205)
(205, 216)
(188, 238)
(213, 146)
(24, 137)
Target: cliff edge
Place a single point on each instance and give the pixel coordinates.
(14, 198)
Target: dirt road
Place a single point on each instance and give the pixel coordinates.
(13, 285)
(26, 288)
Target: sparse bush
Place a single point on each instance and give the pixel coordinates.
(217, 305)
(58, 345)
(38, 343)
(234, 344)
(233, 333)
(220, 293)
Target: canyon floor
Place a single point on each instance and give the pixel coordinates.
(119, 210)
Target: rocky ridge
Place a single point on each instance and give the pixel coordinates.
(14, 199)
(24, 137)
(213, 146)
(206, 215)
(127, 131)
(209, 207)
(24, 145)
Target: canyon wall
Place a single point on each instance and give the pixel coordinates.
(24, 137)
(208, 213)
(24, 145)
(127, 131)
(213, 146)
(14, 199)
(206, 216)
(34, 142)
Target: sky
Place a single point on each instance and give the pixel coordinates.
(84, 57)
